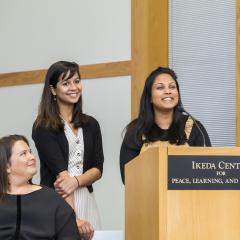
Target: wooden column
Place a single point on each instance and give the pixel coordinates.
(149, 43)
(238, 71)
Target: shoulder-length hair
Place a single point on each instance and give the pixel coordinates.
(145, 120)
(6, 146)
(48, 112)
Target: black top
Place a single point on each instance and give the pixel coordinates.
(131, 147)
(53, 151)
(42, 214)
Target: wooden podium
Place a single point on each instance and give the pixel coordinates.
(152, 212)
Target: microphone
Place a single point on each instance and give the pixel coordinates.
(197, 125)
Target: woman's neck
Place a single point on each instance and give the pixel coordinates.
(163, 119)
(21, 188)
(66, 112)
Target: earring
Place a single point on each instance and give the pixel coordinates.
(54, 98)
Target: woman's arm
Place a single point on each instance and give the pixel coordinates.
(97, 147)
(67, 230)
(85, 228)
(129, 150)
(89, 177)
(65, 185)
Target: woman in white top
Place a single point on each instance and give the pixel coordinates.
(69, 143)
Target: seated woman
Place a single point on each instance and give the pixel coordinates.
(29, 211)
(162, 120)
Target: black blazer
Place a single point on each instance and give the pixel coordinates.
(53, 151)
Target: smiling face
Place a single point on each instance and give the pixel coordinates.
(22, 162)
(68, 90)
(165, 94)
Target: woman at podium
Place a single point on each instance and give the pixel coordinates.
(162, 120)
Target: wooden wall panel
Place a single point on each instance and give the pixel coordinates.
(149, 43)
(101, 70)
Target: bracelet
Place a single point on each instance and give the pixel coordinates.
(77, 181)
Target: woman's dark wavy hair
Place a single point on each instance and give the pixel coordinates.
(144, 122)
(48, 112)
(6, 146)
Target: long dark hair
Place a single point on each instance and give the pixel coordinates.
(6, 145)
(48, 112)
(144, 122)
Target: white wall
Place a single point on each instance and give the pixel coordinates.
(34, 34)
(110, 104)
